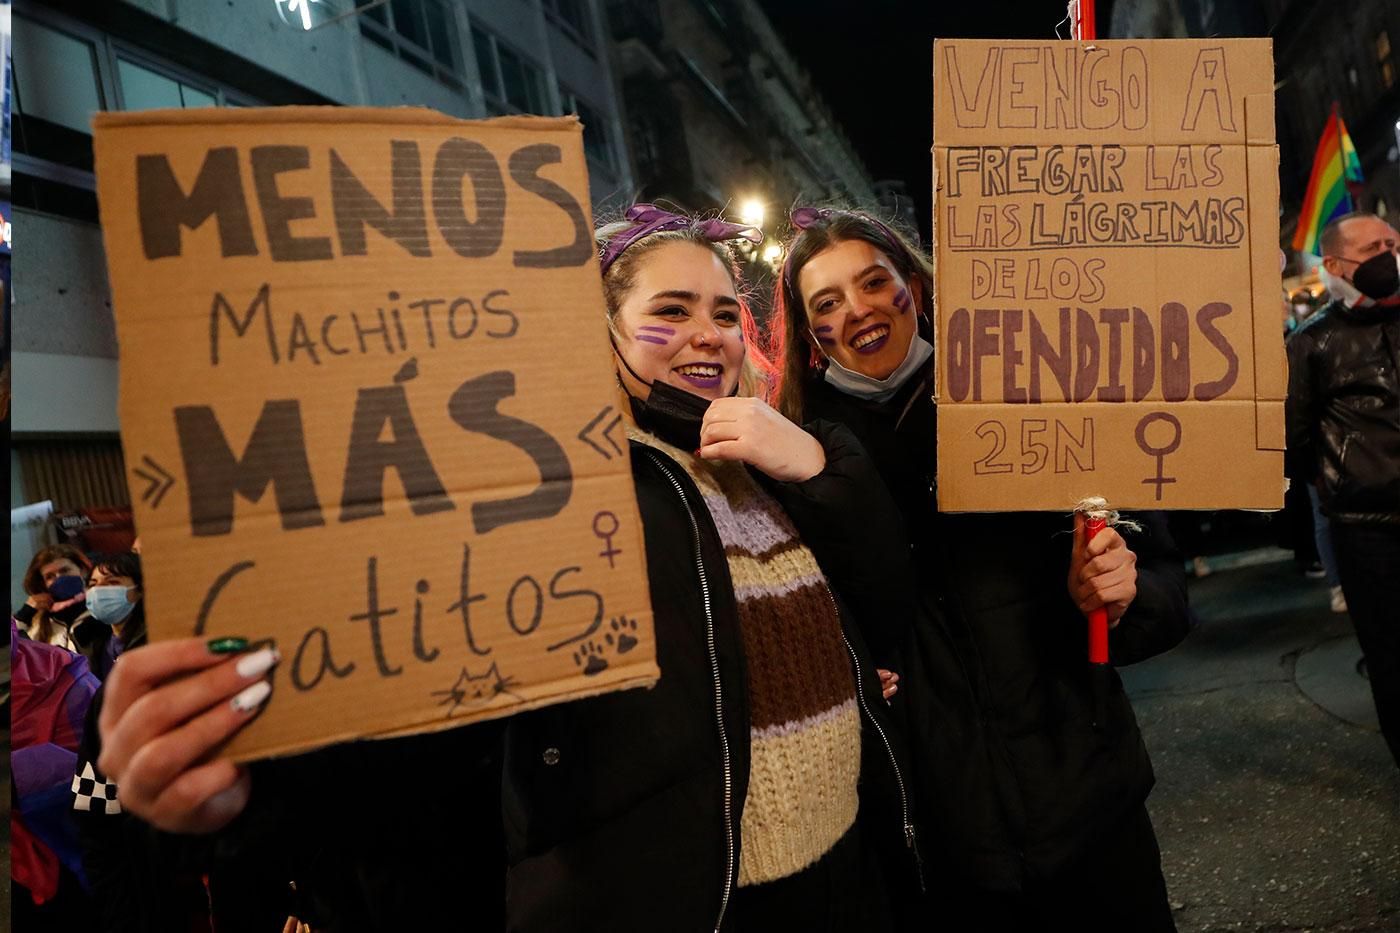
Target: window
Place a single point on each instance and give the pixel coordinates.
(595, 127)
(1384, 59)
(421, 32)
(571, 16)
(55, 76)
(66, 71)
(513, 83)
(143, 88)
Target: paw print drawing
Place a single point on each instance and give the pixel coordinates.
(589, 656)
(625, 630)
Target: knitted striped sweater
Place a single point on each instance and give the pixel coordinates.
(803, 720)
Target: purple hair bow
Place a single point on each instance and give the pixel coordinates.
(804, 217)
(650, 219)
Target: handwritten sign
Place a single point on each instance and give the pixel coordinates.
(370, 411)
(1106, 217)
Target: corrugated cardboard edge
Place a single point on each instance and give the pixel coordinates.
(1270, 362)
(646, 678)
(402, 116)
(933, 223)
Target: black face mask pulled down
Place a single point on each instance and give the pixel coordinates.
(674, 415)
(1378, 278)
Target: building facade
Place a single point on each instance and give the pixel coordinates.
(1347, 54)
(720, 114)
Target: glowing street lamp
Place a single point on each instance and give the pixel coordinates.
(295, 12)
(772, 253)
(751, 212)
(308, 15)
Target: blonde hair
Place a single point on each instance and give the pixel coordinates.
(755, 375)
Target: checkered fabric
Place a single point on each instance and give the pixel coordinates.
(94, 793)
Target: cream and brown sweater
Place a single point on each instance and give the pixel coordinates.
(803, 720)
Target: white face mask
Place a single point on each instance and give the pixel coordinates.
(880, 390)
(1342, 290)
(109, 604)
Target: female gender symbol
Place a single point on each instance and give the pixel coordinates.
(599, 522)
(1159, 452)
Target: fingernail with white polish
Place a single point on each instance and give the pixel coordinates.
(251, 697)
(257, 663)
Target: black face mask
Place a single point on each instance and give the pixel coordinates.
(674, 415)
(1378, 278)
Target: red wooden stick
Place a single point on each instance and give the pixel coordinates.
(1098, 618)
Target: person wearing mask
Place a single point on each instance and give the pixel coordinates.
(56, 582)
(116, 616)
(1343, 426)
(753, 788)
(1039, 810)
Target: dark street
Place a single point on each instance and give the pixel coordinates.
(1276, 799)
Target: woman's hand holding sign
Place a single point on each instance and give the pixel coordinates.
(167, 707)
(1102, 572)
(749, 430)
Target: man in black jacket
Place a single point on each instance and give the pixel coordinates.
(1344, 436)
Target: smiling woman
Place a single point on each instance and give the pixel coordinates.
(727, 795)
(854, 301)
(757, 830)
(1032, 798)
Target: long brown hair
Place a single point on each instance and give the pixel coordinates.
(42, 628)
(790, 345)
(756, 374)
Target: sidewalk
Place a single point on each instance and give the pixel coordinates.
(1277, 804)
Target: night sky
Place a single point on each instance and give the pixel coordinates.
(872, 61)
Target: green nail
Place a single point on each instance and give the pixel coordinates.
(227, 645)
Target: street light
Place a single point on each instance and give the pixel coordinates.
(310, 15)
(751, 212)
(772, 253)
(296, 12)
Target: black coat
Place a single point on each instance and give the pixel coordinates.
(1013, 779)
(613, 806)
(1343, 411)
(622, 812)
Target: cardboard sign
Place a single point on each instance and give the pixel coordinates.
(370, 411)
(1109, 323)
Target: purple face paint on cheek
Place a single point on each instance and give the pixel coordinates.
(649, 334)
(901, 300)
(824, 335)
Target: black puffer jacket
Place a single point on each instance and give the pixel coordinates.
(1013, 778)
(622, 812)
(1343, 411)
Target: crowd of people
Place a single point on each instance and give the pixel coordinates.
(871, 715)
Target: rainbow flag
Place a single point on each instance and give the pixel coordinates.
(1335, 170)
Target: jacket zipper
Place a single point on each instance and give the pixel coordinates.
(719, 695)
(909, 840)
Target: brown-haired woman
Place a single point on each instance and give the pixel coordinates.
(55, 581)
(1040, 814)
